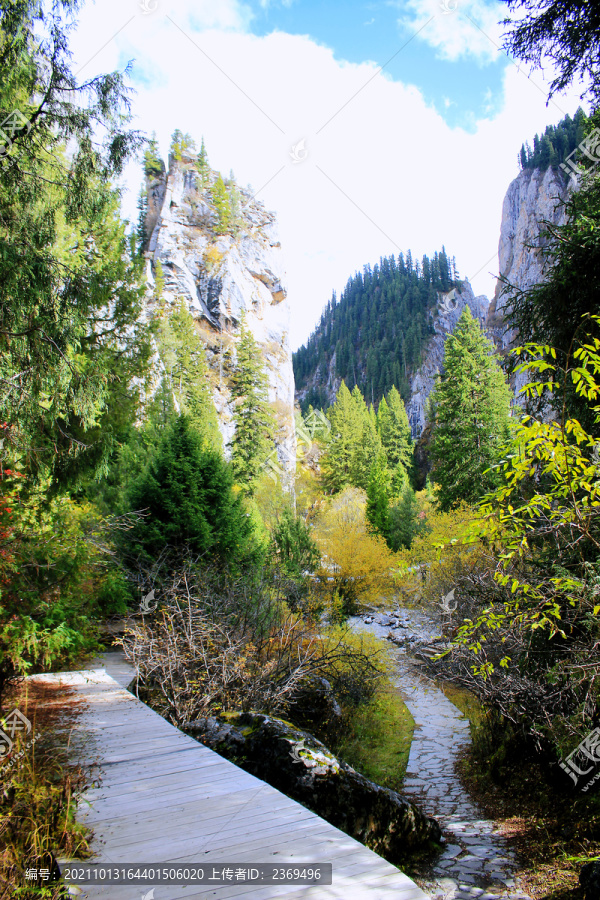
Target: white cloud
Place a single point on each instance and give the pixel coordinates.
(383, 170)
(457, 29)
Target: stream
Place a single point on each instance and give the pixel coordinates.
(476, 861)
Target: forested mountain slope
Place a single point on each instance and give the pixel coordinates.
(374, 336)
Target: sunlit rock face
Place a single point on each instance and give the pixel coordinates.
(224, 279)
(532, 200)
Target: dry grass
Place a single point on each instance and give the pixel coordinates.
(552, 831)
(38, 793)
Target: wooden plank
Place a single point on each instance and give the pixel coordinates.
(164, 797)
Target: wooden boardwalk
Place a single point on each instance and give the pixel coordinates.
(163, 797)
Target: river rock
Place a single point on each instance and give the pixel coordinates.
(296, 763)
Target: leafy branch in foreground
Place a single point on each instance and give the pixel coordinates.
(542, 523)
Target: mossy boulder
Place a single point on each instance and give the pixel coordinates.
(297, 764)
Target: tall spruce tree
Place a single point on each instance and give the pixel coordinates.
(222, 202)
(345, 431)
(254, 424)
(367, 449)
(183, 356)
(378, 499)
(74, 349)
(186, 491)
(394, 430)
(470, 408)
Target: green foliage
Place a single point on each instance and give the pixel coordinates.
(52, 562)
(222, 202)
(551, 313)
(377, 330)
(73, 348)
(141, 237)
(562, 36)
(75, 353)
(187, 495)
(296, 551)
(548, 505)
(203, 166)
(394, 430)
(183, 357)
(470, 415)
(253, 438)
(405, 523)
(346, 430)
(159, 280)
(154, 167)
(378, 500)
(556, 143)
(181, 144)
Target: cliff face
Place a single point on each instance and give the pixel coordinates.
(446, 315)
(224, 278)
(532, 199)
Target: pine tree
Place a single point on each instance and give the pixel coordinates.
(470, 408)
(181, 144)
(159, 281)
(404, 524)
(203, 166)
(345, 431)
(141, 237)
(153, 164)
(394, 430)
(254, 425)
(367, 448)
(189, 376)
(222, 204)
(191, 507)
(378, 502)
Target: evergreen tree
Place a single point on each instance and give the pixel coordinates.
(367, 448)
(187, 494)
(470, 408)
(563, 32)
(74, 349)
(154, 167)
(377, 331)
(378, 503)
(183, 356)
(159, 281)
(336, 462)
(254, 426)
(404, 523)
(141, 238)
(203, 166)
(296, 551)
(181, 144)
(394, 430)
(222, 205)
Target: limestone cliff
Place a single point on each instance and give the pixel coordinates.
(445, 316)
(224, 275)
(533, 198)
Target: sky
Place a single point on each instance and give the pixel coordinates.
(369, 126)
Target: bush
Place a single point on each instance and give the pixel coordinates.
(189, 505)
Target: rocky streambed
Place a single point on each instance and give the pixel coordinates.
(476, 861)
